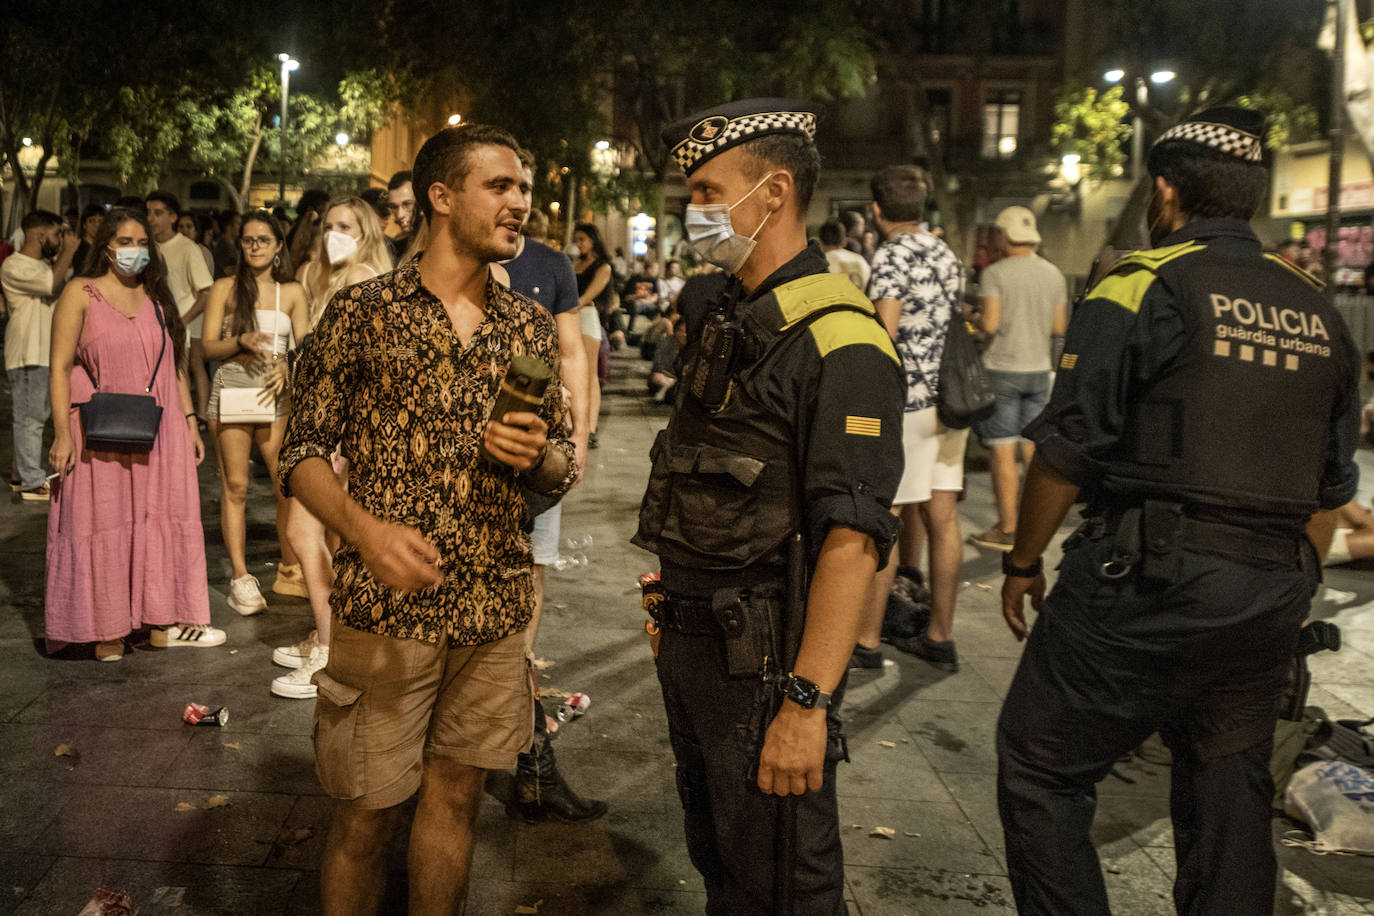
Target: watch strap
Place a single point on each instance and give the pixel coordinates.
(1021, 572)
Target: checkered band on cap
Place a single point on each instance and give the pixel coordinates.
(1220, 137)
(714, 134)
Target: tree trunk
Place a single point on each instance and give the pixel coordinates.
(248, 162)
(20, 193)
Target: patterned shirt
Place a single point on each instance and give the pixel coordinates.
(919, 271)
(385, 374)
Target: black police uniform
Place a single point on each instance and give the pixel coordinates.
(1206, 406)
(809, 440)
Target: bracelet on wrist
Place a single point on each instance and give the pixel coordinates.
(190, 415)
(1021, 572)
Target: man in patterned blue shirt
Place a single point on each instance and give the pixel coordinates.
(917, 285)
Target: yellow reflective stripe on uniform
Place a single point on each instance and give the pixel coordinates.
(847, 328)
(1154, 258)
(1293, 268)
(1126, 290)
(814, 292)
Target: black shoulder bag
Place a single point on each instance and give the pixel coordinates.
(124, 422)
(965, 397)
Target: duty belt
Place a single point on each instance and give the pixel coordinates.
(723, 615)
(692, 616)
(1157, 530)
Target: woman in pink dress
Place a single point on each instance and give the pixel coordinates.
(125, 544)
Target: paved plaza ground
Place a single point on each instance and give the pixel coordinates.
(132, 806)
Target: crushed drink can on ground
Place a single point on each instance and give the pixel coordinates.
(573, 707)
(200, 714)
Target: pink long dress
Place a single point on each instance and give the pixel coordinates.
(125, 544)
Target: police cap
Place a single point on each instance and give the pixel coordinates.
(708, 133)
(1226, 129)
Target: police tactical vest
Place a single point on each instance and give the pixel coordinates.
(724, 491)
(1240, 419)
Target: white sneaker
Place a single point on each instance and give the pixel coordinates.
(295, 685)
(245, 596)
(186, 634)
(295, 656)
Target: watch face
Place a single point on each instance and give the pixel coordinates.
(803, 692)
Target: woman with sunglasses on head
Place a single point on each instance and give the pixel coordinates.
(351, 249)
(125, 545)
(258, 312)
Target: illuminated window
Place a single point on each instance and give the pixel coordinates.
(1001, 123)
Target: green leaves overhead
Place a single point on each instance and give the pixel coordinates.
(1092, 125)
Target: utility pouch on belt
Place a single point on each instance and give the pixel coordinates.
(1161, 556)
(744, 621)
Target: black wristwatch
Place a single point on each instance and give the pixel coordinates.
(1021, 572)
(804, 693)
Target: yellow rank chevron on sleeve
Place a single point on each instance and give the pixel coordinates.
(863, 426)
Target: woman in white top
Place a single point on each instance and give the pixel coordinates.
(351, 249)
(257, 311)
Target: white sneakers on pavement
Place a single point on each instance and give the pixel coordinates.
(295, 656)
(296, 685)
(246, 597)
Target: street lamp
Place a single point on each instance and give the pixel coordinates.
(341, 139)
(1142, 97)
(288, 64)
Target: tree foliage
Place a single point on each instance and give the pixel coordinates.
(227, 137)
(1092, 125)
(1289, 122)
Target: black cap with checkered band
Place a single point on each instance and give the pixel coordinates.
(698, 137)
(1226, 129)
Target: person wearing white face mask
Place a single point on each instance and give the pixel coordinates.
(125, 545)
(778, 466)
(352, 249)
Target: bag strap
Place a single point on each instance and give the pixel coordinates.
(276, 320)
(162, 326)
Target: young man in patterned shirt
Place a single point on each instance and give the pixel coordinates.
(426, 687)
(917, 286)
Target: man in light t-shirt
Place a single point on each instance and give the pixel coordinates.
(32, 278)
(187, 275)
(1025, 305)
(842, 260)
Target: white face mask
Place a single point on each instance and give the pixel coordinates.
(714, 237)
(339, 245)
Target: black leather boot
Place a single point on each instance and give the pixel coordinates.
(541, 792)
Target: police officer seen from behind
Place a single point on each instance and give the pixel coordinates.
(768, 506)
(1205, 409)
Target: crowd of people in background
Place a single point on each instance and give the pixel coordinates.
(263, 281)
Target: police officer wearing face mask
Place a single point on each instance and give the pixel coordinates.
(1205, 410)
(768, 508)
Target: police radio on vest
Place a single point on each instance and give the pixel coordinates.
(1268, 317)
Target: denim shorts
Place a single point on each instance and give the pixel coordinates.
(1020, 398)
